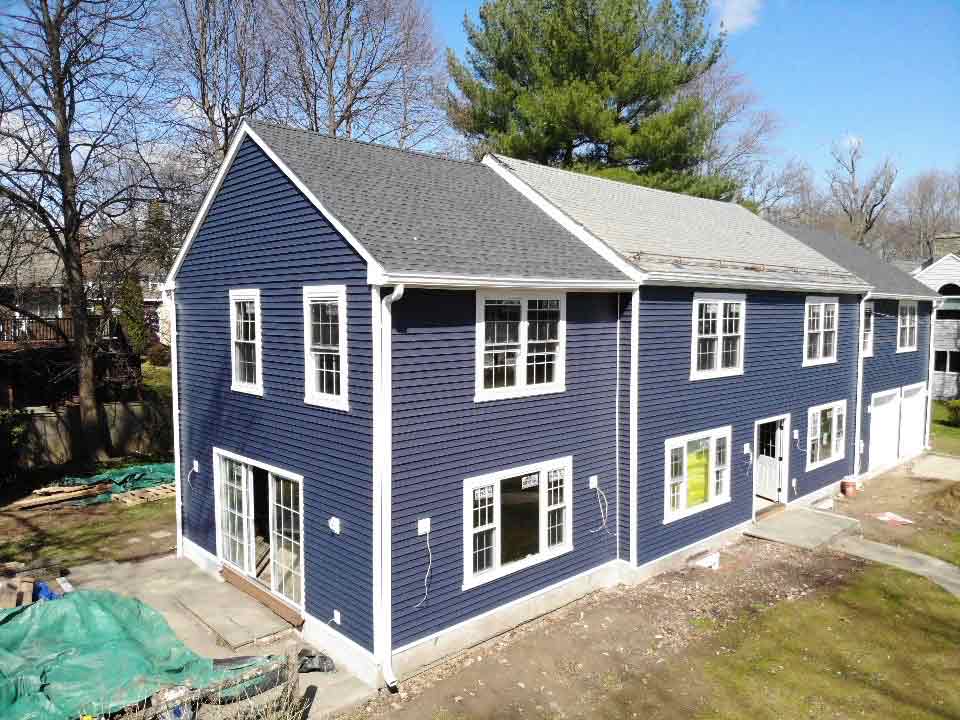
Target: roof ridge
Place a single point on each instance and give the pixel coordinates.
(368, 143)
(725, 203)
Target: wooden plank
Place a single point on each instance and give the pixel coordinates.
(8, 592)
(263, 596)
(25, 591)
(40, 501)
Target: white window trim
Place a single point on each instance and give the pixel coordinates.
(498, 571)
(237, 295)
(838, 404)
(948, 371)
(310, 395)
(218, 456)
(867, 349)
(715, 500)
(521, 389)
(901, 305)
(823, 302)
(718, 372)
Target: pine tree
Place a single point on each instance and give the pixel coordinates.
(594, 85)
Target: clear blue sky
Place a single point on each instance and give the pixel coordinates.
(884, 70)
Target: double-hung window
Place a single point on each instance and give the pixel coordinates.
(826, 433)
(246, 354)
(868, 329)
(718, 335)
(820, 331)
(907, 326)
(947, 361)
(696, 472)
(516, 518)
(520, 344)
(325, 346)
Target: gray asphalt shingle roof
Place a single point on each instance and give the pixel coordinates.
(676, 237)
(886, 278)
(422, 214)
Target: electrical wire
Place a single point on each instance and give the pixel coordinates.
(604, 511)
(426, 578)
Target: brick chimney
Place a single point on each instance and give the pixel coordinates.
(946, 243)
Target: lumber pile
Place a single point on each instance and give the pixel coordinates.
(15, 592)
(58, 494)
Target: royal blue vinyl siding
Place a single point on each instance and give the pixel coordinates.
(774, 383)
(442, 437)
(888, 369)
(261, 232)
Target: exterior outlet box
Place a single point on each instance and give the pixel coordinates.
(423, 526)
(196, 466)
(334, 524)
(594, 481)
(796, 434)
(793, 483)
(746, 449)
(336, 616)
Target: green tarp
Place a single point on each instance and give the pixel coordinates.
(93, 652)
(132, 477)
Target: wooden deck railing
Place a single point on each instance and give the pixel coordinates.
(28, 330)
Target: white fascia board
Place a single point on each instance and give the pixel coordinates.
(896, 296)
(478, 281)
(922, 271)
(568, 223)
(374, 269)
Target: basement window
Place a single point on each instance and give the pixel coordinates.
(516, 518)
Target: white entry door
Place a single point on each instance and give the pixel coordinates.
(913, 412)
(884, 428)
(769, 470)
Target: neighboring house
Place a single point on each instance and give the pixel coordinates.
(942, 274)
(896, 351)
(420, 400)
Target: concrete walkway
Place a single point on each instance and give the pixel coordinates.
(940, 467)
(802, 527)
(944, 574)
(217, 620)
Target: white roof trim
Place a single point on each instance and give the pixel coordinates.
(774, 283)
(568, 223)
(374, 269)
(920, 271)
(478, 281)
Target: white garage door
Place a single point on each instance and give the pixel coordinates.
(884, 428)
(913, 413)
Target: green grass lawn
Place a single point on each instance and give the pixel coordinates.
(945, 437)
(883, 646)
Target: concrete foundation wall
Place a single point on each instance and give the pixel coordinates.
(126, 428)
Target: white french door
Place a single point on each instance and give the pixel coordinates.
(237, 526)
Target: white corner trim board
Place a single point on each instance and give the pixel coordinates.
(374, 269)
(344, 651)
(170, 301)
(634, 419)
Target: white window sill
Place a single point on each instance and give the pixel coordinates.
(823, 463)
(333, 402)
(906, 350)
(247, 389)
(868, 354)
(518, 392)
(821, 361)
(714, 374)
(673, 517)
(483, 578)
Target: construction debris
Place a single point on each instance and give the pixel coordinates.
(891, 518)
(58, 494)
(16, 592)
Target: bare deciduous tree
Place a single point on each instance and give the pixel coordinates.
(74, 87)
(929, 205)
(862, 197)
(221, 68)
(360, 68)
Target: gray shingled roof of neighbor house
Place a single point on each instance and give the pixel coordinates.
(420, 214)
(886, 278)
(677, 238)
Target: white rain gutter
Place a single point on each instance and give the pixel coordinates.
(383, 485)
(168, 290)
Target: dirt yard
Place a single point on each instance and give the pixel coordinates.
(932, 504)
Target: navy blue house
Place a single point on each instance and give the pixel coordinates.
(419, 400)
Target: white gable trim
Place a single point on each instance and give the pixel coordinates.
(374, 269)
(921, 271)
(564, 220)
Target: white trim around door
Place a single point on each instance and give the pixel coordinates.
(782, 448)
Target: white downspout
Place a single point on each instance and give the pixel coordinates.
(930, 355)
(383, 402)
(858, 448)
